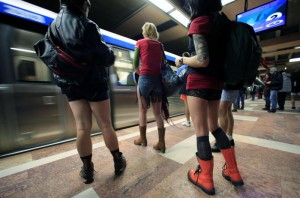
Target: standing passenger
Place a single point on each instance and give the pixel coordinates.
(183, 74)
(149, 88)
(82, 37)
(203, 95)
(286, 88)
(275, 83)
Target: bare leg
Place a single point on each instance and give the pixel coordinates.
(83, 117)
(102, 113)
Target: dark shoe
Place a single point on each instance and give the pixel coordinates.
(215, 148)
(242, 108)
(280, 109)
(87, 174)
(293, 108)
(120, 164)
(234, 110)
(272, 111)
(266, 109)
(232, 142)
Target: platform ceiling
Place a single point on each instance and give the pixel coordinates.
(126, 17)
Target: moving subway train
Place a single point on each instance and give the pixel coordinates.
(33, 112)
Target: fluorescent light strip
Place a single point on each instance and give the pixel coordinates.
(225, 2)
(294, 60)
(180, 17)
(30, 7)
(22, 50)
(163, 4)
(298, 47)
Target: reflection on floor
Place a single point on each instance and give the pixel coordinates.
(267, 150)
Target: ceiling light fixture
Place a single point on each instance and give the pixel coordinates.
(294, 60)
(298, 47)
(179, 17)
(225, 2)
(163, 4)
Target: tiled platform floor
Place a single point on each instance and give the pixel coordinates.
(267, 149)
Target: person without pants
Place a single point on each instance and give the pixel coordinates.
(182, 73)
(226, 120)
(204, 90)
(81, 37)
(149, 88)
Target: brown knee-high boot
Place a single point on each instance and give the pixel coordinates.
(142, 140)
(161, 141)
(203, 175)
(230, 169)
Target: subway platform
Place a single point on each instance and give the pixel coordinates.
(267, 150)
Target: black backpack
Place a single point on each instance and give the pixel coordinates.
(235, 46)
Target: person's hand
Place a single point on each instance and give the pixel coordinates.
(178, 62)
(269, 82)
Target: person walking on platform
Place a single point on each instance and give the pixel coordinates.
(149, 88)
(295, 88)
(182, 73)
(82, 37)
(204, 90)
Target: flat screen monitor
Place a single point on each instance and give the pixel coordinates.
(269, 16)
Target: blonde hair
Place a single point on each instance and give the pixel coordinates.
(150, 31)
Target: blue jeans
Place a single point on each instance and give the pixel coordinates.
(241, 99)
(273, 99)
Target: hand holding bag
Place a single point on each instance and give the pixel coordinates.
(172, 83)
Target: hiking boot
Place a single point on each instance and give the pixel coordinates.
(87, 174)
(120, 164)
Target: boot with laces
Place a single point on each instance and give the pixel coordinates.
(87, 174)
(230, 169)
(119, 163)
(202, 176)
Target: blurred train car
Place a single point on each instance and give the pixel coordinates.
(33, 112)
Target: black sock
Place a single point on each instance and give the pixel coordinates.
(87, 161)
(116, 154)
(221, 138)
(203, 148)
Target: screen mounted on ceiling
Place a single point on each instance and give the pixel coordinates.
(269, 16)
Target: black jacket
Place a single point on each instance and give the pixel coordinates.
(81, 38)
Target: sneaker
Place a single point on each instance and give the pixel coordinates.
(120, 164)
(272, 111)
(87, 174)
(186, 123)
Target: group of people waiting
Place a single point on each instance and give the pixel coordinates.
(208, 100)
(277, 86)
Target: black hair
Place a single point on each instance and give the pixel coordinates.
(186, 54)
(204, 7)
(74, 5)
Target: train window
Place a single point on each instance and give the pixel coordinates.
(30, 70)
(27, 66)
(123, 67)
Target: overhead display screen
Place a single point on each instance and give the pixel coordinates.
(269, 16)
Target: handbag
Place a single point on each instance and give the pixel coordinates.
(172, 83)
(60, 62)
